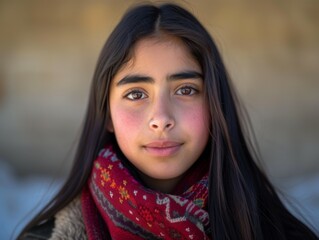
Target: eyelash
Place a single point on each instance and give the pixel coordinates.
(192, 89)
(130, 97)
(134, 91)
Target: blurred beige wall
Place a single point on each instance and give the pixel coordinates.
(49, 49)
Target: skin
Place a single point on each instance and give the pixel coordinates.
(158, 111)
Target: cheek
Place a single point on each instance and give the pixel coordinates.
(197, 120)
(124, 119)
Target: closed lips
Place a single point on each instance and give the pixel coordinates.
(166, 144)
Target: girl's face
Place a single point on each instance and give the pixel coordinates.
(158, 111)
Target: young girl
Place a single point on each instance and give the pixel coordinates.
(163, 153)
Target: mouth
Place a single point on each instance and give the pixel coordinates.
(162, 148)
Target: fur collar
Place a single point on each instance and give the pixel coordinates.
(69, 222)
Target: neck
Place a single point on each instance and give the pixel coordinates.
(162, 185)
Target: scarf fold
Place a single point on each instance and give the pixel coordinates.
(113, 198)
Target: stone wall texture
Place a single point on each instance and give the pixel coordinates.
(48, 51)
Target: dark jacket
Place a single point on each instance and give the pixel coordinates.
(41, 232)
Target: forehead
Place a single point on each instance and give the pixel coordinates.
(160, 52)
(150, 43)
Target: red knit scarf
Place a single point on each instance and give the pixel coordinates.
(115, 200)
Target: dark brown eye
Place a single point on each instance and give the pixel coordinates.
(135, 95)
(186, 91)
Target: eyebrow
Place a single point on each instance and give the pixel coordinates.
(185, 75)
(145, 79)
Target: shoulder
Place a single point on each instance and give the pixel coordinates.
(300, 232)
(67, 224)
(40, 232)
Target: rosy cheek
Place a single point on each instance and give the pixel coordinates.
(200, 126)
(197, 118)
(125, 118)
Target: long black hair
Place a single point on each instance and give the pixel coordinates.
(242, 202)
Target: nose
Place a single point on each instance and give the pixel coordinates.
(161, 124)
(162, 118)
